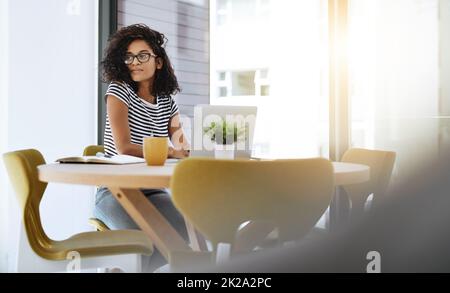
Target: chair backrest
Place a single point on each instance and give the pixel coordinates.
(381, 164)
(217, 196)
(21, 167)
(92, 150)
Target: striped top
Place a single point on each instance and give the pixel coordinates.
(144, 119)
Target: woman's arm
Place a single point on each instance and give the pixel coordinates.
(181, 147)
(118, 119)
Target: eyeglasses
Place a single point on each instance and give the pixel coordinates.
(141, 57)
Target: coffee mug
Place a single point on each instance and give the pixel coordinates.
(155, 150)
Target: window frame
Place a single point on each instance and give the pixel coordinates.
(108, 11)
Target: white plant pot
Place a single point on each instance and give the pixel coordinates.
(224, 151)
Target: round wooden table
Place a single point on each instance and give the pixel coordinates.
(125, 182)
(143, 176)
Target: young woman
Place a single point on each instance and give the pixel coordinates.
(139, 104)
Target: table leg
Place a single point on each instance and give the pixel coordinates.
(165, 238)
(252, 235)
(339, 210)
(198, 242)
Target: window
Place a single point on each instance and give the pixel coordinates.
(232, 12)
(223, 10)
(243, 83)
(395, 79)
(249, 83)
(272, 54)
(394, 97)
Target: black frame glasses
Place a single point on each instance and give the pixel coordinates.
(141, 57)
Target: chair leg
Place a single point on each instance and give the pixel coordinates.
(29, 262)
(128, 263)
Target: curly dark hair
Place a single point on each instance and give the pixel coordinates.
(114, 68)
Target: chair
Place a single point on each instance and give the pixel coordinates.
(217, 196)
(381, 164)
(42, 254)
(98, 224)
(92, 150)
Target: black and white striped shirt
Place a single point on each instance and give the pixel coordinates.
(144, 119)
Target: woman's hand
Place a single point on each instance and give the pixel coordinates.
(178, 154)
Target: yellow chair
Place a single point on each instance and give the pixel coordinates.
(217, 196)
(98, 224)
(381, 164)
(92, 150)
(97, 249)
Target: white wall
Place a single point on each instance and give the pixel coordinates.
(51, 100)
(3, 131)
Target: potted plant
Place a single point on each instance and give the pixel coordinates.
(224, 135)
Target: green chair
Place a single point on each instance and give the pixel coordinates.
(217, 196)
(381, 164)
(39, 253)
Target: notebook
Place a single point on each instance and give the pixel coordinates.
(115, 160)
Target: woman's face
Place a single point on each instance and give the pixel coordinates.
(142, 71)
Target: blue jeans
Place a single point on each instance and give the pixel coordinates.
(110, 211)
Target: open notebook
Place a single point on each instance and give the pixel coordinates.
(116, 160)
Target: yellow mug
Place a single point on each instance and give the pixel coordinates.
(155, 150)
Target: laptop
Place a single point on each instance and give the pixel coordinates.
(244, 117)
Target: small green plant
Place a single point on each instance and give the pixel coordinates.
(223, 132)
